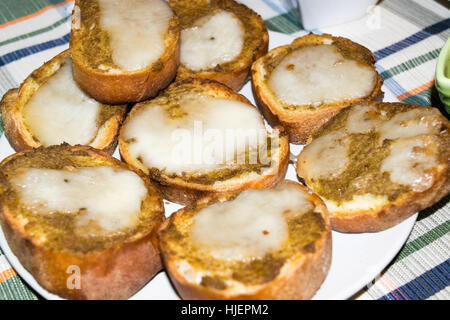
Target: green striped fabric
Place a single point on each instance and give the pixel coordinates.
(284, 23)
(424, 97)
(15, 289)
(14, 9)
(411, 63)
(36, 32)
(423, 240)
(426, 238)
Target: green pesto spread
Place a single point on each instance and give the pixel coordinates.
(363, 175)
(107, 112)
(94, 42)
(365, 155)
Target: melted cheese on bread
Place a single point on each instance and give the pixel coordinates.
(249, 226)
(136, 30)
(320, 74)
(327, 157)
(200, 133)
(213, 40)
(410, 161)
(60, 112)
(411, 123)
(360, 121)
(109, 197)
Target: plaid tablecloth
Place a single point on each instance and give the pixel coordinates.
(406, 37)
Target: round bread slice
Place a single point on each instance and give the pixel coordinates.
(49, 109)
(199, 137)
(124, 51)
(375, 164)
(304, 84)
(260, 244)
(80, 221)
(220, 39)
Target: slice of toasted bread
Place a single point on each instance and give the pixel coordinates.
(375, 164)
(80, 221)
(260, 244)
(220, 39)
(124, 51)
(199, 137)
(49, 109)
(302, 85)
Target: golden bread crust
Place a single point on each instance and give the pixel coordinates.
(13, 103)
(233, 74)
(298, 279)
(126, 86)
(301, 125)
(106, 273)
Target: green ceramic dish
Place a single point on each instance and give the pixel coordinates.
(443, 75)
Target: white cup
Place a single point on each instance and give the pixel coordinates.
(323, 13)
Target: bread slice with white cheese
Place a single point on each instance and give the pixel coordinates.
(198, 137)
(304, 84)
(376, 164)
(220, 39)
(80, 221)
(260, 244)
(49, 109)
(124, 51)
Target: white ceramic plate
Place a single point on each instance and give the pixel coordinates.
(357, 258)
